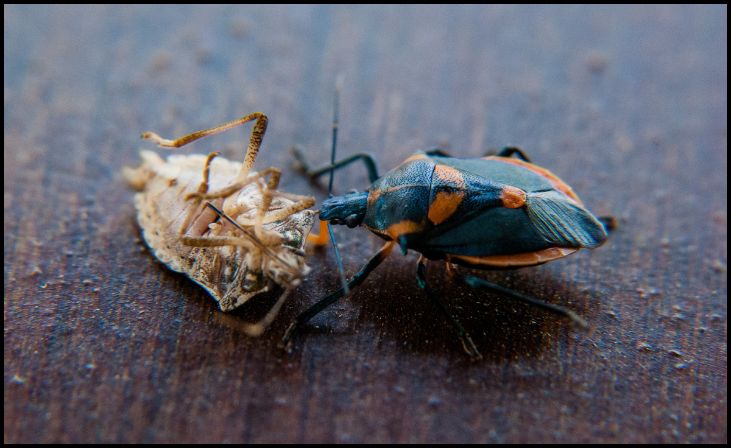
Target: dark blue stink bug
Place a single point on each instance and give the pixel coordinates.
(494, 212)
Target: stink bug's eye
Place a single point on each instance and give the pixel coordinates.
(352, 221)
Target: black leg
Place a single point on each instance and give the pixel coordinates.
(479, 283)
(510, 150)
(610, 222)
(332, 298)
(437, 152)
(304, 167)
(467, 344)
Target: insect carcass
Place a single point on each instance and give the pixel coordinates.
(225, 226)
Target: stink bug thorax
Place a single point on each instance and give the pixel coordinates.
(349, 209)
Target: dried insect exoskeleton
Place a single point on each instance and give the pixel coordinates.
(225, 226)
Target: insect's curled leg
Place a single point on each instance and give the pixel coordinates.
(356, 280)
(282, 213)
(610, 223)
(203, 187)
(217, 241)
(257, 328)
(508, 151)
(478, 283)
(236, 186)
(467, 344)
(257, 134)
(303, 167)
(202, 190)
(437, 152)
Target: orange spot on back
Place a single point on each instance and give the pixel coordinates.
(444, 205)
(512, 197)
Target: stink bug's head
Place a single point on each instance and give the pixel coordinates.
(349, 209)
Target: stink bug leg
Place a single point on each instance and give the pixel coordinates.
(302, 166)
(356, 280)
(510, 150)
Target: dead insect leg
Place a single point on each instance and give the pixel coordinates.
(202, 190)
(282, 213)
(267, 238)
(479, 283)
(257, 134)
(216, 241)
(256, 246)
(257, 328)
(234, 187)
(467, 344)
(303, 167)
(356, 280)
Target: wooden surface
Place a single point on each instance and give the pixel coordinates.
(627, 104)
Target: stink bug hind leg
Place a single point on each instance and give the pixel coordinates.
(479, 283)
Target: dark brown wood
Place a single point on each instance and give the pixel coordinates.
(627, 104)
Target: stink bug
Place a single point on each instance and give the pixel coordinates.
(235, 240)
(494, 212)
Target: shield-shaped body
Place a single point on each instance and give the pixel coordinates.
(491, 212)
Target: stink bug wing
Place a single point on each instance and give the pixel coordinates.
(562, 222)
(493, 231)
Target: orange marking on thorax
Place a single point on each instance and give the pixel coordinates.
(444, 205)
(450, 175)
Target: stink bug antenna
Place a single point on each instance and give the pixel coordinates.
(336, 113)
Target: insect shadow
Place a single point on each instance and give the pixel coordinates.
(396, 314)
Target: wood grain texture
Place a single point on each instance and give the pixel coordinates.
(627, 104)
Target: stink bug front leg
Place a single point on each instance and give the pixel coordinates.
(356, 280)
